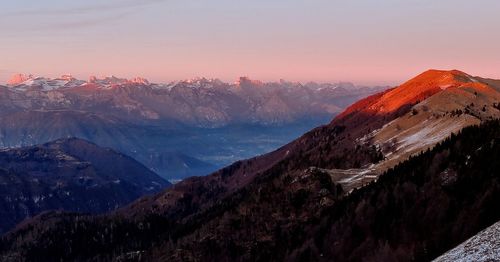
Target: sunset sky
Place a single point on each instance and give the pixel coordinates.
(366, 42)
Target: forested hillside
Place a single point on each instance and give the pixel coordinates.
(415, 211)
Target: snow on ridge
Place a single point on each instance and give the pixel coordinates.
(443, 87)
(472, 79)
(22, 82)
(427, 134)
(484, 246)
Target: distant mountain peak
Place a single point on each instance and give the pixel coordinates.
(245, 81)
(24, 82)
(66, 77)
(201, 81)
(139, 80)
(17, 79)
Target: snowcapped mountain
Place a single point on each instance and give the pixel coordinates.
(29, 82)
(199, 102)
(24, 82)
(18, 79)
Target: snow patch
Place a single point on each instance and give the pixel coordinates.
(443, 87)
(427, 135)
(472, 79)
(485, 246)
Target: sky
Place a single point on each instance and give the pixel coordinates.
(369, 42)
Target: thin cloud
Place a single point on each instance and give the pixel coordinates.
(62, 25)
(75, 17)
(83, 10)
(96, 21)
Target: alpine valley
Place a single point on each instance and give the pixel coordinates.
(405, 174)
(180, 129)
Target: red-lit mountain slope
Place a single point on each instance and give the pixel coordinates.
(398, 100)
(415, 116)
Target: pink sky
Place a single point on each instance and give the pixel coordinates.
(366, 42)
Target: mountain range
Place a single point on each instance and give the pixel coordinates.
(197, 102)
(404, 174)
(180, 129)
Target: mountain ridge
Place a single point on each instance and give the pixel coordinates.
(20, 79)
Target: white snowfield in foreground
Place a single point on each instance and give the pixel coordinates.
(485, 246)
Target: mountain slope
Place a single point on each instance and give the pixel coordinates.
(72, 175)
(415, 211)
(340, 158)
(413, 117)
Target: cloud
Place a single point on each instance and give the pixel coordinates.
(82, 23)
(84, 9)
(70, 18)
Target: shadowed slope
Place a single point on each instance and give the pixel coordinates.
(69, 174)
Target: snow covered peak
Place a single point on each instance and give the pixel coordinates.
(66, 77)
(92, 79)
(139, 80)
(197, 82)
(19, 79)
(113, 81)
(23, 82)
